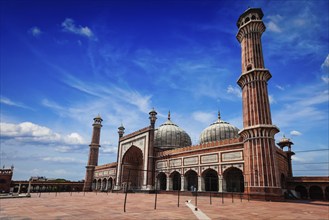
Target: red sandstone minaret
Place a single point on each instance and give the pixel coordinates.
(93, 153)
(261, 172)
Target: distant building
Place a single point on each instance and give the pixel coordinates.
(6, 175)
(226, 159)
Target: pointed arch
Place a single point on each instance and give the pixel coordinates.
(132, 167)
(191, 178)
(210, 179)
(233, 179)
(162, 181)
(175, 178)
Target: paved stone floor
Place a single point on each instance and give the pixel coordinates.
(141, 206)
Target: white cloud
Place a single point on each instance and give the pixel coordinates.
(234, 90)
(325, 68)
(325, 64)
(325, 79)
(204, 117)
(271, 26)
(109, 149)
(280, 87)
(69, 26)
(304, 103)
(271, 99)
(7, 101)
(35, 31)
(295, 133)
(30, 132)
(63, 160)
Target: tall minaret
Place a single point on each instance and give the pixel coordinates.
(93, 153)
(261, 172)
(151, 163)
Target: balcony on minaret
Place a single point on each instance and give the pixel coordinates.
(98, 120)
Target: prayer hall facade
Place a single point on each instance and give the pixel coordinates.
(225, 160)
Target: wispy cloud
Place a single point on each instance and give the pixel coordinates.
(295, 133)
(35, 31)
(271, 99)
(69, 160)
(302, 104)
(204, 117)
(280, 87)
(69, 26)
(299, 34)
(7, 101)
(325, 69)
(234, 91)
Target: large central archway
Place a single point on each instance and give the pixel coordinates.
(132, 168)
(234, 181)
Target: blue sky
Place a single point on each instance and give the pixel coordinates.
(64, 62)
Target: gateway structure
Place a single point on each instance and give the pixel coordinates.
(225, 160)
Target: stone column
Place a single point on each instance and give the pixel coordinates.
(200, 183)
(220, 183)
(182, 183)
(29, 189)
(167, 184)
(19, 189)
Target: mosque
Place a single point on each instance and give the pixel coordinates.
(225, 160)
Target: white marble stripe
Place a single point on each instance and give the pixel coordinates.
(199, 214)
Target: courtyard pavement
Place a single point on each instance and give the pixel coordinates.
(141, 206)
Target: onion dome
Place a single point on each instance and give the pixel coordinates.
(219, 130)
(170, 136)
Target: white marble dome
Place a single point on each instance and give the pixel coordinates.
(170, 136)
(219, 130)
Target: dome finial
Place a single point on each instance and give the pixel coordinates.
(169, 115)
(218, 115)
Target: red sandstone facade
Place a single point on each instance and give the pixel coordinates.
(247, 161)
(5, 179)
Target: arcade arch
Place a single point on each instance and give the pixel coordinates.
(191, 178)
(175, 178)
(302, 191)
(316, 193)
(210, 179)
(162, 181)
(233, 180)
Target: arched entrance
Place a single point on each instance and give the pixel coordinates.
(302, 191)
(210, 177)
(93, 185)
(162, 181)
(99, 184)
(109, 184)
(234, 180)
(104, 183)
(176, 180)
(327, 193)
(132, 166)
(192, 180)
(316, 193)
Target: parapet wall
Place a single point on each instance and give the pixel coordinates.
(200, 146)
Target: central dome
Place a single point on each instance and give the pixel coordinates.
(170, 136)
(219, 130)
